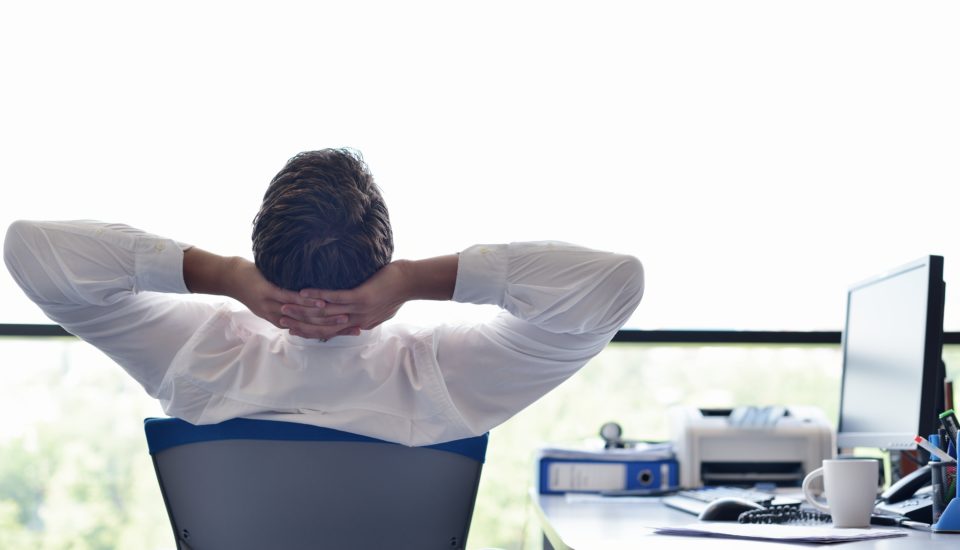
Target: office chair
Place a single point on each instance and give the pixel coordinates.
(255, 484)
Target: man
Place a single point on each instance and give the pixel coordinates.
(310, 345)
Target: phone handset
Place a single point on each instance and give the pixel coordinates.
(907, 486)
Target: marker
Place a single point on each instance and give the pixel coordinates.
(934, 440)
(949, 421)
(933, 450)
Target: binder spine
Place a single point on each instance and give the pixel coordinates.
(560, 475)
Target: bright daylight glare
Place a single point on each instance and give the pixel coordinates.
(759, 157)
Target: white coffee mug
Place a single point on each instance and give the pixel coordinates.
(850, 486)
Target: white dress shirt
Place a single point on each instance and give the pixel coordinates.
(115, 287)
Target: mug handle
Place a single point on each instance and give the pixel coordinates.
(807, 481)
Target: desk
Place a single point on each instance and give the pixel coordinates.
(584, 523)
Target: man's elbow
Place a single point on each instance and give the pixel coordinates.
(20, 246)
(628, 277)
(15, 248)
(630, 270)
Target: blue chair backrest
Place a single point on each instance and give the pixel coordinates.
(257, 484)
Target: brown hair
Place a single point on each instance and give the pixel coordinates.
(322, 224)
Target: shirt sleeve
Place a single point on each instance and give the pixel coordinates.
(110, 285)
(562, 305)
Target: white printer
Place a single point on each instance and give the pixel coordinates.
(749, 445)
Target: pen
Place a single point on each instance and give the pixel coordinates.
(933, 450)
(949, 421)
(951, 490)
(948, 392)
(901, 521)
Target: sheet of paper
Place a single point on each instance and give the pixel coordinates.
(784, 533)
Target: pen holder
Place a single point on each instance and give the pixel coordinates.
(949, 520)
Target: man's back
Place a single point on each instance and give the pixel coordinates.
(388, 381)
(111, 285)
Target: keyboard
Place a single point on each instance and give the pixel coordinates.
(693, 501)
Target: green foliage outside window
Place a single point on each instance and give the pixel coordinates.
(75, 473)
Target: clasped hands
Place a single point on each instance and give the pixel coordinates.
(324, 314)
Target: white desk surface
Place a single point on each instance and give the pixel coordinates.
(626, 522)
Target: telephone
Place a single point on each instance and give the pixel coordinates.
(907, 497)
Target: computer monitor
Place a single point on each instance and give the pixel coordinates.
(892, 382)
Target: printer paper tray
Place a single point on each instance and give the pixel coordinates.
(726, 473)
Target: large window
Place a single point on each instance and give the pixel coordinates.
(758, 156)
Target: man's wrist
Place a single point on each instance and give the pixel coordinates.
(230, 276)
(406, 280)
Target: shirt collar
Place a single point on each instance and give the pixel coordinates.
(366, 337)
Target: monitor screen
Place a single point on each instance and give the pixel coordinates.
(892, 346)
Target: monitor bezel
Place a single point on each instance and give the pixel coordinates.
(932, 375)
